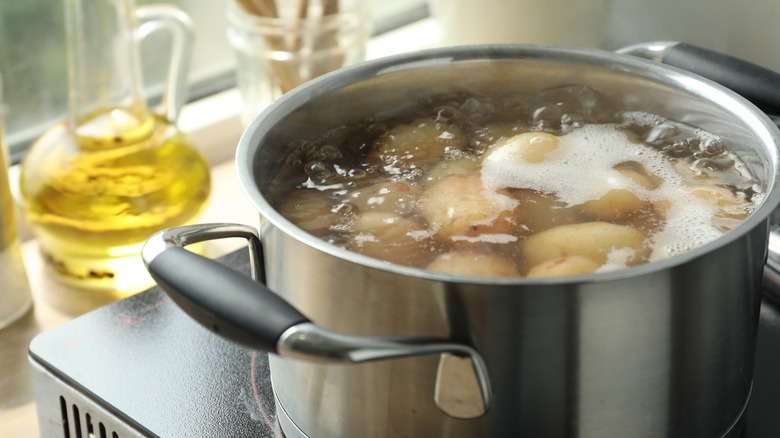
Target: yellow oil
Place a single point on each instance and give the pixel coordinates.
(7, 219)
(95, 192)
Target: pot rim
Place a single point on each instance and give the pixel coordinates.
(760, 124)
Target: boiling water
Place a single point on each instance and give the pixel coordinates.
(463, 183)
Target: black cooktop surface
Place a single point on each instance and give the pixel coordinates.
(147, 362)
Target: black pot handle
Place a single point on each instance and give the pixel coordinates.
(247, 312)
(219, 298)
(757, 84)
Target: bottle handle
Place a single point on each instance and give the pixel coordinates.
(179, 25)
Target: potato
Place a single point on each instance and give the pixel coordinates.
(589, 239)
(540, 211)
(727, 201)
(390, 237)
(462, 166)
(391, 196)
(563, 266)
(714, 195)
(614, 205)
(421, 142)
(532, 147)
(310, 210)
(456, 205)
(637, 173)
(472, 263)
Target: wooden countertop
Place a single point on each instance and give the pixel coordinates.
(17, 406)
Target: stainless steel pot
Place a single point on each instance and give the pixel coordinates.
(663, 349)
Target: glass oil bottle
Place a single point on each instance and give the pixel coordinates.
(15, 296)
(97, 185)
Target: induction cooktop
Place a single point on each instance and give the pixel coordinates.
(142, 367)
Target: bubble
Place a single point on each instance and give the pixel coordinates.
(445, 114)
(340, 171)
(679, 149)
(306, 147)
(331, 152)
(547, 113)
(357, 173)
(571, 121)
(378, 130)
(721, 164)
(318, 156)
(712, 147)
(471, 105)
(317, 170)
(661, 133)
(477, 146)
(293, 160)
(514, 101)
(344, 208)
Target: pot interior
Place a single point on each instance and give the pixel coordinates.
(386, 85)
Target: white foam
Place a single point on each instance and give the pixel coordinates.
(617, 258)
(362, 238)
(689, 225)
(581, 169)
(487, 238)
(419, 235)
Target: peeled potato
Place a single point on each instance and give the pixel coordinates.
(589, 239)
(637, 173)
(310, 210)
(472, 263)
(390, 196)
(456, 205)
(390, 237)
(462, 166)
(616, 204)
(541, 211)
(714, 195)
(420, 142)
(531, 147)
(723, 198)
(563, 266)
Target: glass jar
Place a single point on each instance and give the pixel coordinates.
(278, 49)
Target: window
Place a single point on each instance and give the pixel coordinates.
(33, 57)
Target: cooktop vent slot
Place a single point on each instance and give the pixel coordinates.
(78, 423)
